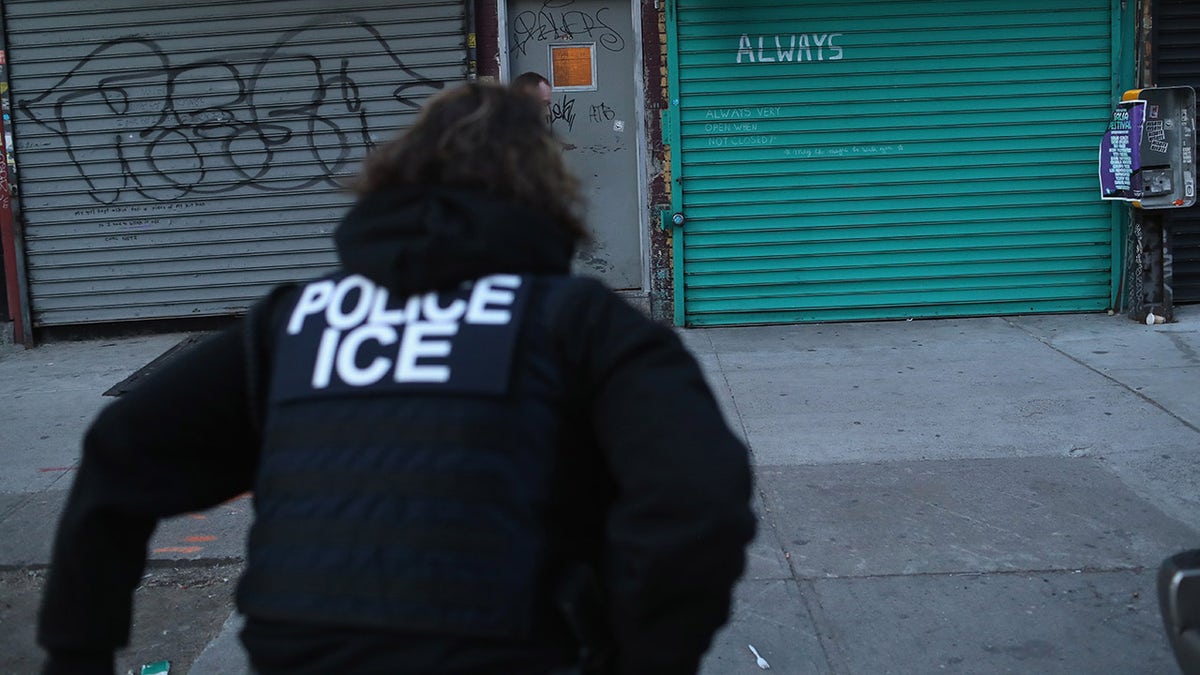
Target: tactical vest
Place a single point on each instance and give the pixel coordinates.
(408, 445)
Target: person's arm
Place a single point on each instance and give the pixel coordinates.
(180, 441)
(681, 519)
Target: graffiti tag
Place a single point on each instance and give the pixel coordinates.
(602, 113)
(555, 21)
(219, 124)
(563, 110)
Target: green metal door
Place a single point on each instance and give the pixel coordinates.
(845, 160)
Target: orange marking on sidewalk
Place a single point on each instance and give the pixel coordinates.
(179, 549)
(199, 539)
(51, 469)
(198, 516)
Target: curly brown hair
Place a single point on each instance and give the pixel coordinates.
(484, 137)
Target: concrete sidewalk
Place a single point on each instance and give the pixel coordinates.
(963, 495)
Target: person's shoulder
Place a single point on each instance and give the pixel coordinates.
(268, 309)
(586, 313)
(574, 283)
(580, 298)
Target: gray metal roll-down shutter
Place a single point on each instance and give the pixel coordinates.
(179, 160)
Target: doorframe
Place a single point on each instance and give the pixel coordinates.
(642, 150)
(13, 263)
(505, 68)
(673, 137)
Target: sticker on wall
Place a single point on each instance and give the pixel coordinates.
(573, 67)
(619, 125)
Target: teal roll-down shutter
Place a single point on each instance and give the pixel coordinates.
(892, 159)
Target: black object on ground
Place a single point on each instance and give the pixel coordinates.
(131, 381)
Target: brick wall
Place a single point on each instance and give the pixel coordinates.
(654, 51)
(488, 37)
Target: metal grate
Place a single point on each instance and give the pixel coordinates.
(178, 160)
(1177, 54)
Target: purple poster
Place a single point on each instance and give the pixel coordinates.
(1119, 154)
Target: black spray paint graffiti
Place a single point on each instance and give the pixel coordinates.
(602, 113)
(218, 125)
(556, 21)
(563, 110)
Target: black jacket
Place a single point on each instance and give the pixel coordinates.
(657, 483)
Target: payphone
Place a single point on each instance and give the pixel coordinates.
(1148, 154)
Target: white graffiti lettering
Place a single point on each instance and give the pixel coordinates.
(796, 47)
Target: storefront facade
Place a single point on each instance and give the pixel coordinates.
(764, 162)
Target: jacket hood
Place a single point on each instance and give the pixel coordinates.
(412, 240)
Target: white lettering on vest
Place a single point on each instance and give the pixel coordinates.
(393, 317)
(347, 359)
(335, 317)
(323, 368)
(415, 345)
(493, 290)
(428, 328)
(432, 311)
(314, 299)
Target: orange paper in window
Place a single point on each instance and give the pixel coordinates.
(572, 66)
